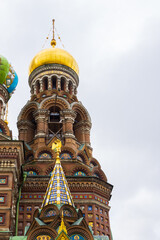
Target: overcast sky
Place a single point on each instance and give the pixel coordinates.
(117, 46)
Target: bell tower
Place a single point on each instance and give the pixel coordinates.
(54, 112)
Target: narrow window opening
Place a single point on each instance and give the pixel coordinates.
(54, 82)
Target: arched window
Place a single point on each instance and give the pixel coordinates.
(80, 173)
(62, 84)
(70, 86)
(54, 124)
(32, 128)
(76, 128)
(37, 87)
(54, 114)
(45, 83)
(54, 82)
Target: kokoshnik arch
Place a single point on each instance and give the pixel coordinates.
(76, 201)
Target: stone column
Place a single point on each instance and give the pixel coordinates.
(66, 87)
(41, 86)
(87, 132)
(34, 87)
(73, 89)
(58, 83)
(41, 116)
(68, 116)
(49, 83)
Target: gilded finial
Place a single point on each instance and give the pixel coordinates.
(53, 41)
(62, 226)
(56, 146)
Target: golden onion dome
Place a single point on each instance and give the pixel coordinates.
(53, 55)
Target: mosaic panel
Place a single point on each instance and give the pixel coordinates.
(45, 156)
(79, 173)
(2, 199)
(29, 209)
(65, 156)
(97, 217)
(50, 213)
(77, 237)
(21, 208)
(43, 237)
(67, 213)
(89, 208)
(31, 173)
(3, 180)
(90, 215)
(91, 224)
(2, 218)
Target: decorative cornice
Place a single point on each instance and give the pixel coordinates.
(48, 69)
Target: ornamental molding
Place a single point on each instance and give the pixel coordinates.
(79, 106)
(26, 107)
(91, 201)
(68, 113)
(40, 77)
(53, 69)
(23, 124)
(52, 99)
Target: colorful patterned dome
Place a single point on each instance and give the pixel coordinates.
(8, 76)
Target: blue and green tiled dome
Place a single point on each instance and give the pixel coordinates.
(8, 76)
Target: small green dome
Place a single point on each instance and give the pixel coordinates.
(4, 69)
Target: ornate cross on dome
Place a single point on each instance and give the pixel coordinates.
(53, 41)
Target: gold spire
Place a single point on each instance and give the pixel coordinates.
(62, 226)
(53, 41)
(57, 191)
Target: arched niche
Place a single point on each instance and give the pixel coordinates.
(70, 87)
(66, 156)
(37, 85)
(77, 128)
(45, 83)
(54, 82)
(80, 174)
(31, 173)
(54, 123)
(31, 126)
(45, 155)
(63, 83)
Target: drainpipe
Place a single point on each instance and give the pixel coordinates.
(19, 197)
